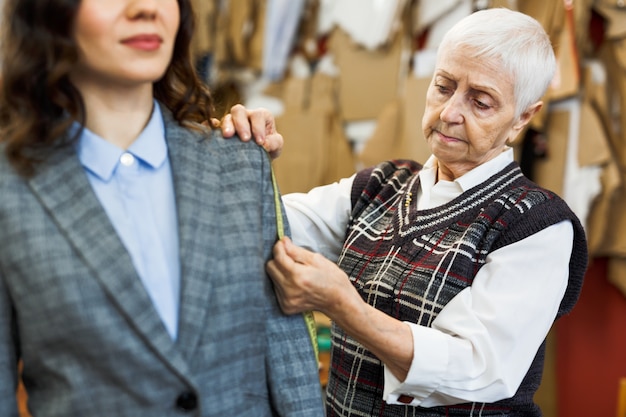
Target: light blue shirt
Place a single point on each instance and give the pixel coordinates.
(136, 190)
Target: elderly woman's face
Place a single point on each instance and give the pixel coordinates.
(469, 115)
(125, 41)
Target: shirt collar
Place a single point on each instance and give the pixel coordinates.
(101, 157)
(475, 176)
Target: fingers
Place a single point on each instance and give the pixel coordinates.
(213, 122)
(300, 255)
(280, 271)
(241, 122)
(264, 131)
(258, 124)
(301, 277)
(282, 261)
(274, 144)
(228, 129)
(262, 124)
(294, 252)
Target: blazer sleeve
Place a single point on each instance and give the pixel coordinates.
(293, 376)
(8, 354)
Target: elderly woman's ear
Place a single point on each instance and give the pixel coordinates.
(523, 121)
(527, 115)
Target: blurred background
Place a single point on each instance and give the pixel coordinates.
(346, 80)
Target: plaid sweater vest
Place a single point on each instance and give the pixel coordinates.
(410, 264)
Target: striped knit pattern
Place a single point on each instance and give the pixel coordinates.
(410, 264)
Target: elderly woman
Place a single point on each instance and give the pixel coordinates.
(449, 274)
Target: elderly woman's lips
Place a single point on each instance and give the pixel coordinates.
(447, 138)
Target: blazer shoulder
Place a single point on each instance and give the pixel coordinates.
(236, 149)
(7, 171)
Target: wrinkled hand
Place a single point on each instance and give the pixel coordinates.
(304, 280)
(258, 124)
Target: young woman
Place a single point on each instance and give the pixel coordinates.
(132, 277)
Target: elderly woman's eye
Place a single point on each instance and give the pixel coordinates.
(481, 105)
(442, 88)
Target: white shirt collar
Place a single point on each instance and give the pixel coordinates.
(433, 194)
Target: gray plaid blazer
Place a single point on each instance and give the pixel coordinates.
(73, 308)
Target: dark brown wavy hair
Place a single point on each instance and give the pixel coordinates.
(38, 103)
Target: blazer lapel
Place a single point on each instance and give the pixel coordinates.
(197, 184)
(64, 190)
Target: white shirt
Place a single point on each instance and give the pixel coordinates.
(482, 343)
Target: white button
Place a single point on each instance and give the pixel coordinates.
(127, 159)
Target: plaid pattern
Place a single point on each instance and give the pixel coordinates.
(410, 264)
(73, 307)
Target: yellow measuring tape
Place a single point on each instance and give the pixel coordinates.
(309, 319)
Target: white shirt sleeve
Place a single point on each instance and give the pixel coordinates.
(318, 219)
(483, 341)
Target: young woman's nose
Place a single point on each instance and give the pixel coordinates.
(142, 9)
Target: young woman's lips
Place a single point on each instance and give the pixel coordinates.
(143, 42)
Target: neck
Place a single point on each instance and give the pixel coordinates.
(117, 115)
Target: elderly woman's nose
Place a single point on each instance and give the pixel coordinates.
(452, 111)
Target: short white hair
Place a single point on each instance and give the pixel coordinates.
(517, 40)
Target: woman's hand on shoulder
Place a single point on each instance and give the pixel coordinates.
(258, 124)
